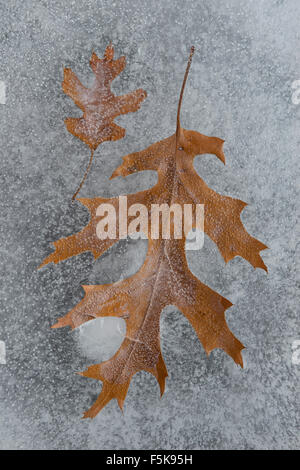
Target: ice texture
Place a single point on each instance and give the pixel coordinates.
(239, 89)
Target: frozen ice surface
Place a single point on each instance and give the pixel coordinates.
(239, 89)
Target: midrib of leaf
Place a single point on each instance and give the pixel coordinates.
(173, 166)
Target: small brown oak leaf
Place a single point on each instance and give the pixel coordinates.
(99, 105)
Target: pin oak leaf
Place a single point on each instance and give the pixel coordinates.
(165, 277)
(99, 105)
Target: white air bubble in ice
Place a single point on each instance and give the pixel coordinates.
(2, 93)
(2, 353)
(99, 339)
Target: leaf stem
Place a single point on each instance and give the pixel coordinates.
(182, 90)
(85, 175)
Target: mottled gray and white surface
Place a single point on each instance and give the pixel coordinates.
(239, 89)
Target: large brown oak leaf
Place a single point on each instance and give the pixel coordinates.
(164, 278)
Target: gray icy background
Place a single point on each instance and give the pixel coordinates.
(239, 89)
